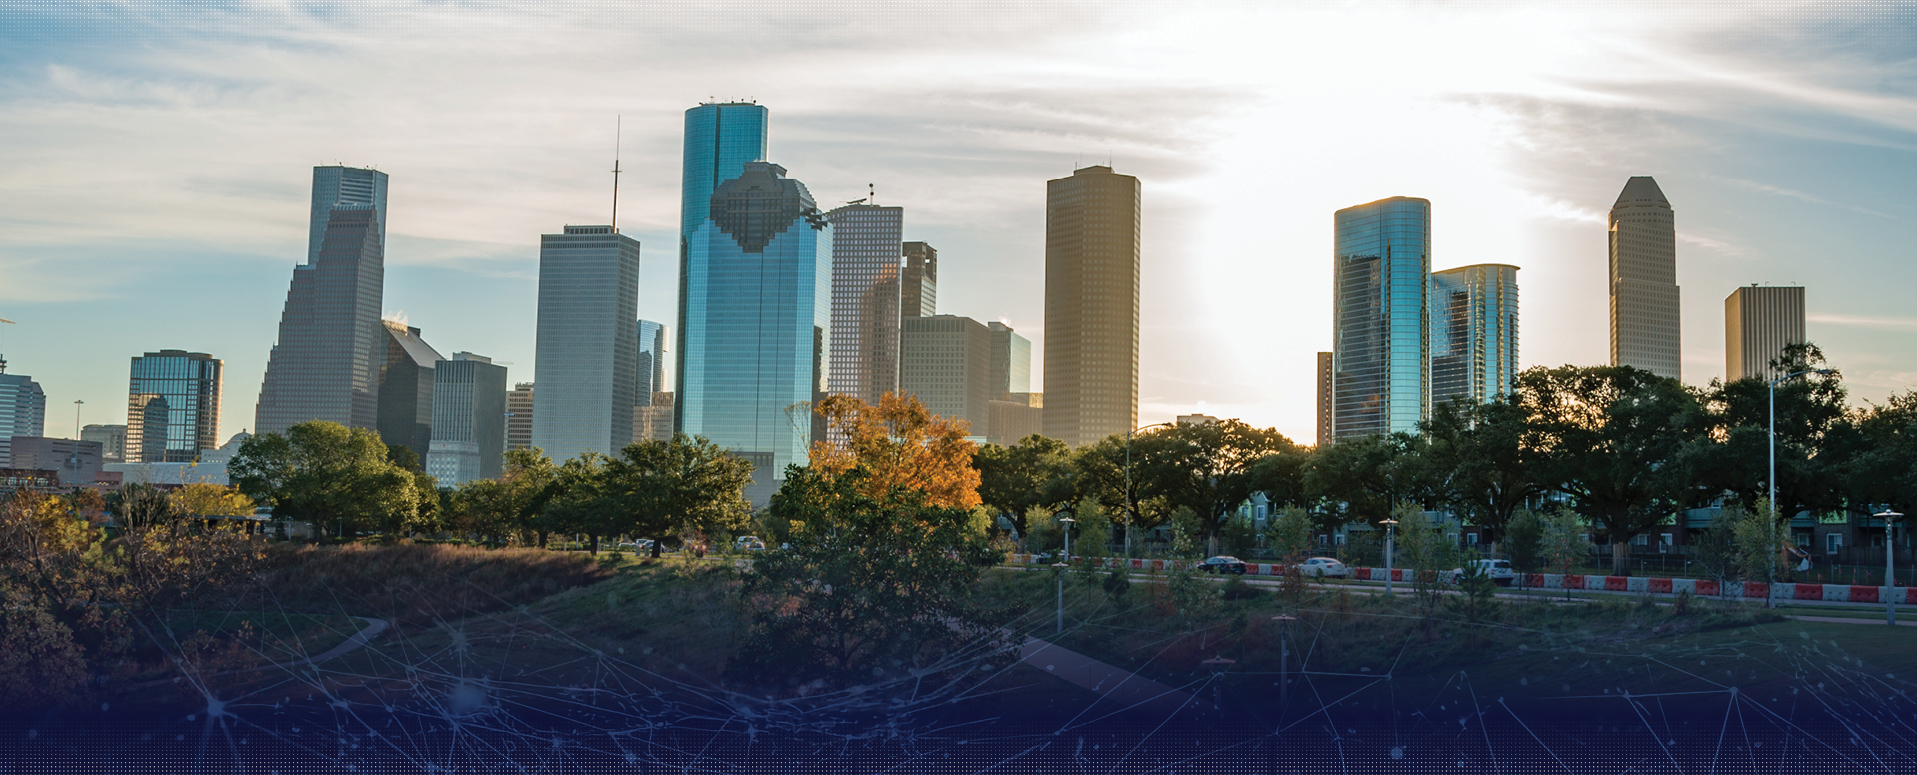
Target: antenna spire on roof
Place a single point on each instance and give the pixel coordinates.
(618, 123)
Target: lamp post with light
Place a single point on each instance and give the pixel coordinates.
(1284, 660)
(1890, 580)
(1389, 524)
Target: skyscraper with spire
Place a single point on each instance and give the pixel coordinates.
(866, 253)
(325, 364)
(1643, 280)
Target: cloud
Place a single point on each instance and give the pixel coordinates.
(1888, 323)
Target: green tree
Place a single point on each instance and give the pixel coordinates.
(1207, 468)
(331, 476)
(1524, 541)
(1422, 548)
(872, 589)
(1759, 537)
(1290, 532)
(1564, 544)
(1814, 431)
(1034, 472)
(1482, 461)
(682, 485)
(1881, 468)
(1093, 529)
(1362, 479)
(1611, 437)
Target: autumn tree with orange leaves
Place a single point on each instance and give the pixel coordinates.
(899, 444)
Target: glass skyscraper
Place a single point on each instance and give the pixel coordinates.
(755, 319)
(469, 420)
(588, 342)
(23, 409)
(173, 407)
(1474, 333)
(920, 284)
(406, 389)
(652, 361)
(866, 251)
(1381, 347)
(325, 364)
(720, 138)
(1011, 362)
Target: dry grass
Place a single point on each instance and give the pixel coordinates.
(412, 584)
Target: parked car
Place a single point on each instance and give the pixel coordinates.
(1499, 571)
(748, 544)
(641, 546)
(1324, 567)
(1223, 565)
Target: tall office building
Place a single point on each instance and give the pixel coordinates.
(1011, 363)
(519, 416)
(947, 364)
(588, 344)
(325, 364)
(1091, 305)
(653, 422)
(754, 321)
(23, 409)
(1759, 320)
(469, 420)
(1015, 417)
(186, 417)
(78, 462)
(919, 286)
(406, 389)
(1381, 352)
(866, 252)
(721, 137)
(1474, 332)
(1325, 384)
(651, 364)
(112, 439)
(1643, 280)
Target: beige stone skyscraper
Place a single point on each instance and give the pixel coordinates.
(1643, 280)
(1091, 305)
(1758, 322)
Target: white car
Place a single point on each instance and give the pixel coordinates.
(1499, 571)
(1324, 567)
(748, 544)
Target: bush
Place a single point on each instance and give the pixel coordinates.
(1237, 589)
(1118, 583)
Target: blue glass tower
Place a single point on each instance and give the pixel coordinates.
(1474, 332)
(755, 319)
(1381, 350)
(720, 138)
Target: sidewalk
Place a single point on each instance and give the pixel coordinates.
(1108, 681)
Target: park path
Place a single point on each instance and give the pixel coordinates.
(1108, 681)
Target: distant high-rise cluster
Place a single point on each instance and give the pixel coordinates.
(1405, 338)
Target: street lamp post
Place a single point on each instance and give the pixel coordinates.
(1890, 580)
(1129, 506)
(1770, 600)
(1389, 524)
(1058, 568)
(1065, 523)
(1284, 660)
(1218, 666)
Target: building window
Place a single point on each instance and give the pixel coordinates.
(1833, 542)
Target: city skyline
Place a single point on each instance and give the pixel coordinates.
(1522, 149)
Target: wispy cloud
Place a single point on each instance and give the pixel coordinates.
(1865, 321)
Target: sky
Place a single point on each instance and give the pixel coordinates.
(155, 163)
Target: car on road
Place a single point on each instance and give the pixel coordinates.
(748, 544)
(1223, 565)
(1324, 567)
(641, 546)
(1499, 571)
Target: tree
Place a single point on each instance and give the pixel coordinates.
(898, 444)
(1290, 532)
(872, 588)
(1093, 528)
(1362, 479)
(330, 475)
(141, 505)
(1759, 538)
(1524, 541)
(1611, 437)
(1814, 429)
(1034, 472)
(1207, 468)
(686, 484)
(1881, 466)
(1563, 539)
(210, 500)
(1421, 547)
(1483, 462)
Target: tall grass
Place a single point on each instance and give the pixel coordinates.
(412, 584)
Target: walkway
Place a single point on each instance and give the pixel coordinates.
(1108, 681)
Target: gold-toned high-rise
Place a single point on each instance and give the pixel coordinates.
(1759, 322)
(1091, 305)
(1643, 281)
